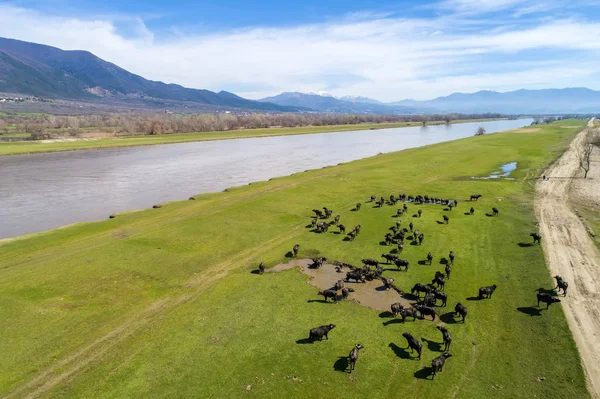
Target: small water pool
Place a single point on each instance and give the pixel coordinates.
(505, 170)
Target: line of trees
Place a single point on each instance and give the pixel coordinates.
(41, 126)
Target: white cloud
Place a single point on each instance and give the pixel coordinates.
(480, 6)
(365, 54)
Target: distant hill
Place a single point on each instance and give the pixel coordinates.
(544, 101)
(324, 102)
(39, 70)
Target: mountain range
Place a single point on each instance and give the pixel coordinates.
(44, 71)
(325, 102)
(543, 101)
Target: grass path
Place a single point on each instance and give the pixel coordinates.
(31, 147)
(159, 303)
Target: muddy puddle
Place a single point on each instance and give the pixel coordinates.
(504, 172)
(371, 294)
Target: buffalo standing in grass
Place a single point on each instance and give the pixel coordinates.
(389, 239)
(429, 300)
(329, 294)
(446, 219)
(407, 312)
(437, 364)
(426, 311)
(536, 238)
(440, 295)
(430, 257)
(389, 257)
(472, 211)
(353, 356)
(448, 270)
(440, 281)
(261, 268)
(413, 344)
(401, 263)
(296, 249)
(546, 298)
(446, 336)
(320, 332)
(342, 229)
(461, 310)
(451, 255)
(418, 288)
(495, 211)
(487, 292)
(370, 262)
(475, 197)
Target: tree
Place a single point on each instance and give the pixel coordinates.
(480, 131)
(584, 153)
(424, 119)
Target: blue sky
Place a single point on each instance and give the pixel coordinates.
(389, 50)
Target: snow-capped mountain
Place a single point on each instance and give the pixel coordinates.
(325, 102)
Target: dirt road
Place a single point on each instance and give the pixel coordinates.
(572, 254)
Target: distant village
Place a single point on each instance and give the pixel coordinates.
(8, 99)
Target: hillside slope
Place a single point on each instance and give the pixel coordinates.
(39, 70)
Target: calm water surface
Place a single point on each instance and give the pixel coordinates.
(44, 191)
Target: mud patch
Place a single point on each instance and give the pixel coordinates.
(371, 294)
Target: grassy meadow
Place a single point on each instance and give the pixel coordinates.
(161, 302)
(31, 147)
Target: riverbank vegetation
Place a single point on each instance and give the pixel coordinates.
(161, 302)
(52, 126)
(93, 139)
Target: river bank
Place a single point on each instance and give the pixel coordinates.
(33, 147)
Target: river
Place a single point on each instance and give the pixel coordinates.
(43, 191)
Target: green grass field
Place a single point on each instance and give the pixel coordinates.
(161, 302)
(31, 147)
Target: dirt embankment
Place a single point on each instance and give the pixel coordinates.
(371, 294)
(571, 253)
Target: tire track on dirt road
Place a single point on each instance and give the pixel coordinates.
(571, 253)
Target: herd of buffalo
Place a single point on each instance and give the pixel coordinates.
(372, 270)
